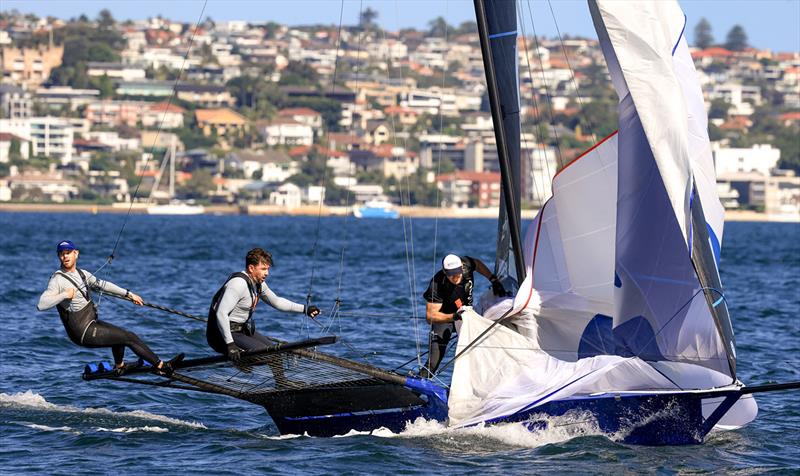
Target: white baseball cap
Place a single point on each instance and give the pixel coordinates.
(451, 264)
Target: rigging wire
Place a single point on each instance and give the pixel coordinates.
(408, 224)
(441, 130)
(546, 91)
(539, 188)
(325, 175)
(571, 71)
(155, 140)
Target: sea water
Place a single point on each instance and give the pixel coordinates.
(55, 423)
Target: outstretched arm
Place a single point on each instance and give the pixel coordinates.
(279, 303)
(111, 288)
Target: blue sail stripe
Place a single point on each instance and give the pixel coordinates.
(500, 35)
(679, 36)
(718, 301)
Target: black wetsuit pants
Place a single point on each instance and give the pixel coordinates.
(85, 330)
(249, 342)
(439, 337)
(103, 334)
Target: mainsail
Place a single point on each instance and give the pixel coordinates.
(622, 290)
(498, 21)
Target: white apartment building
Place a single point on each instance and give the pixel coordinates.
(52, 137)
(116, 71)
(287, 131)
(741, 97)
(760, 158)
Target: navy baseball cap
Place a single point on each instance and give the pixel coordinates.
(66, 245)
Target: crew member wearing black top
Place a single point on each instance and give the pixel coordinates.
(449, 290)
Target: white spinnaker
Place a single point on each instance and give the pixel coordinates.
(643, 35)
(663, 145)
(573, 281)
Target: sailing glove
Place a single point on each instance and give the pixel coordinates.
(234, 352)
(497, 287)
(312, 311)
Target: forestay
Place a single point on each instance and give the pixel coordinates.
(620, 260)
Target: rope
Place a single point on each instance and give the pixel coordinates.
(155, 140)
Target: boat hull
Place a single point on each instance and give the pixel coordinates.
(325, 412)
(367, 212)
(642, 419)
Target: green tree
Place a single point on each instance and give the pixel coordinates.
(197, 187)
(719, 109)
(438, 27)
(467, 28)
(104, 20)
(299, 73)
(736, 39)
(15, 150)
(367, 18)
(702, 34)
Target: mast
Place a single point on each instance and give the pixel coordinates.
(510, 192)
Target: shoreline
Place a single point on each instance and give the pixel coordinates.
(315, 210)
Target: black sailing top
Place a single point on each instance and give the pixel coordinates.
(452, 296)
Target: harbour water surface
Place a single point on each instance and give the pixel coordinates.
(52, 422)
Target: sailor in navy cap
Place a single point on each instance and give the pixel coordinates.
(448, 292)
(70, 291)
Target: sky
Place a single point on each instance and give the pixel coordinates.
(773, 24)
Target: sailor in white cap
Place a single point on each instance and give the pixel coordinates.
(450, 290)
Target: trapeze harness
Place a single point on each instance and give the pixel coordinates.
(215, 338)
(77, 322)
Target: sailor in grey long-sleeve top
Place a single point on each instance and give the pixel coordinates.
(235, 304)
(58, 286)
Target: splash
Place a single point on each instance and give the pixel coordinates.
(125, 429)
(540, 430)
(67, 429)
(31, 399)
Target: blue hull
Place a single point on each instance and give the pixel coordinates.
(641, 419)
(378, 213)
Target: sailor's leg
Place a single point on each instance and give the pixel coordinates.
(119, 354)
(103, 334)
(258, 341)
(437, 344)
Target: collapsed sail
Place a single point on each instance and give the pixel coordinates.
(621, 261)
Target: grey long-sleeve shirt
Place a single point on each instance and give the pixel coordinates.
(58, 285)
(234, 306)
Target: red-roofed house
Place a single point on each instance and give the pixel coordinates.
(709, 55)
(406, 116)
(165, 115)
(286, 131)
(304, 115)
(470, 189)
(790, 118)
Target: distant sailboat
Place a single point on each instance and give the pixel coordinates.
(174, 207)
